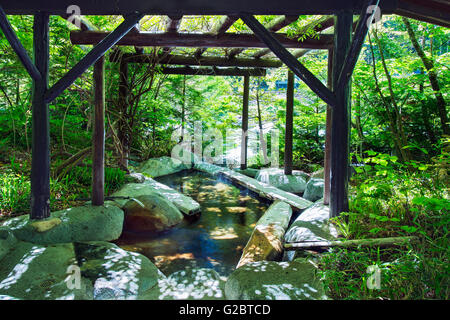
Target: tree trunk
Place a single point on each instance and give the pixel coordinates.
(432, 75)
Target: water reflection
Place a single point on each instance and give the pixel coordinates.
(214, 239)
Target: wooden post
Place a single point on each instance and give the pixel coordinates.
(289, 124)
(40, 163)
(123, 94)
(327, 158)
(244, 140)
(340, 131)
(98, 137)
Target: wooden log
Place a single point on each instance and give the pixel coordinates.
(340, 128)
(98, 137)
(237, 72)
(98, 51)
(244, 140)
(17, 46)
(301, 71)
(289, 124)
(227, 40)
(192, 61)
(381, 242)
(40, 162)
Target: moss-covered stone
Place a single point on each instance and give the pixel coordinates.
(269, 280)
(85, 223)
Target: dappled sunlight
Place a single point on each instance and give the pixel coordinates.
(223, 234)
(21, 267)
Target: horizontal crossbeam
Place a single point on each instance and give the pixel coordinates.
(191, 7)
(254, 72)
(227, 40)
(192, 61)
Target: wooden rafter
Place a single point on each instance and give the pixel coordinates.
(319, 25)
(219, 29)
(273, 26)
(192, 61)
(172, 25)
(432, 11)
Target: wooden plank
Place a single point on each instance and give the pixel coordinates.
(202, 61)
(362, 29)
(301, 71)
(340, 128)
(192, 7)
(17, 46)
(237, 72)
(98, 137)
(289, 124)
(228, 40)
(244, 140)
(98, 51)
(40, 162)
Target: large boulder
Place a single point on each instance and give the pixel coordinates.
(312, 225)
(151, 213)
(36, 272)
(116, 274)
(314, 189)
(162, 166)
(295, 183)
(266, 241)
(270, 280)
(85, 223)
(185, 204)
(189, 284)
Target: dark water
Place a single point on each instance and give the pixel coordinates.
(214, 239)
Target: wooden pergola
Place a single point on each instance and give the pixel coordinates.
(344, 46)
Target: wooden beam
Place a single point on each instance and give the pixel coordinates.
(219, 29)
(289, 124)
(227, 40)
(351, 59)
(192, 61)
(237, 72)
(17, 46)
(431, 11)
(244, 140)
(340, 128)
(192, 7)
(172, 23)
(319, 25)
(274, 25)
(40, 162)
(98, 137)
(327, 156)
(301, 71)
(98, 51)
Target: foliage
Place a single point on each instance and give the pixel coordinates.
(388, 200)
